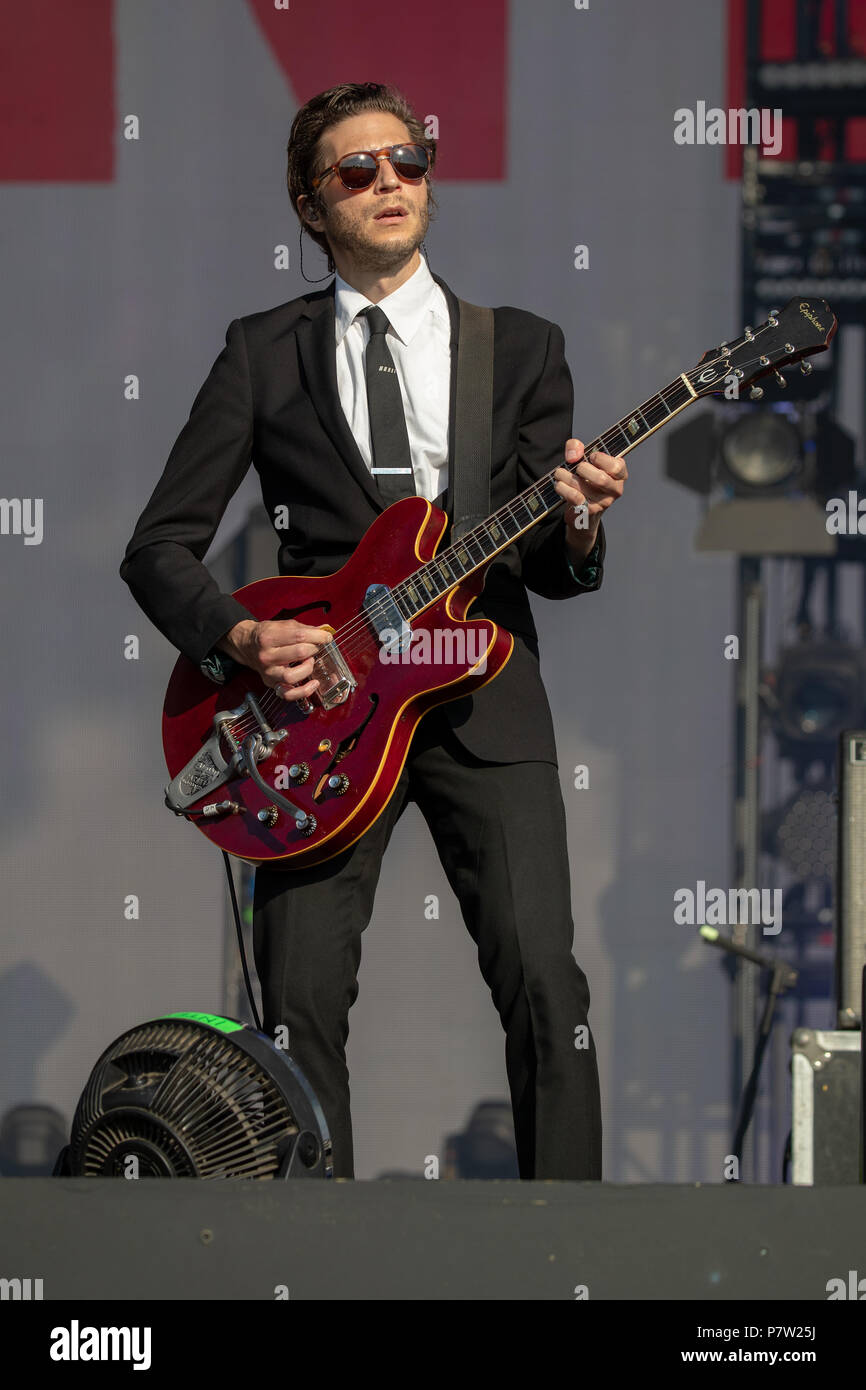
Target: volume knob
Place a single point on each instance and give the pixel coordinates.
(299, 772)
(339, 784)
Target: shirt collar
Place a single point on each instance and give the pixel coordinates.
(405, 307)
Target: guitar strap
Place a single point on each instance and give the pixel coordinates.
(473, 418)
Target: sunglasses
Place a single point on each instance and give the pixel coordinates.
(358, 170)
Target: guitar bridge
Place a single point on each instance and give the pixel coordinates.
(209, 768)
(336, 681)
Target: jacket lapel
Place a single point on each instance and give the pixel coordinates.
(317, 348)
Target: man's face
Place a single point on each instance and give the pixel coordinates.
(380, 227)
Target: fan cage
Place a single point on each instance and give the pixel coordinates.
(186, 1100)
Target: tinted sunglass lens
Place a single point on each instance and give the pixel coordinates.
(410, 161)
(357, 170)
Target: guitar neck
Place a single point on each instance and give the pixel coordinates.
(512, 521)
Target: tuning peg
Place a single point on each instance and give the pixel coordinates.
(781, 380)
(806, 368)
(756, 393)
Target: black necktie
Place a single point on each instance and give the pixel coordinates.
(389, 438)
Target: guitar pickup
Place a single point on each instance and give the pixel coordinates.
(387, 620)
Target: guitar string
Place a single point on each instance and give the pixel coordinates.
(645, 409)
(275, 704)
(360, 626)
(509, 510)
(534, 489)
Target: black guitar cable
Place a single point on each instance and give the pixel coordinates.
(239, 929)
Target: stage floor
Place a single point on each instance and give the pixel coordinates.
(186, 1239)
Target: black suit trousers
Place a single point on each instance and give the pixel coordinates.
(499, 830)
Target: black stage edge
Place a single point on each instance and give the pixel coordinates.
(185, 1239)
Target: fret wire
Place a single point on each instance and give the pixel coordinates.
(680, 392)
(609, 441)
(544, 491)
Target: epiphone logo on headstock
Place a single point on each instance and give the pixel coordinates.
(806, 311)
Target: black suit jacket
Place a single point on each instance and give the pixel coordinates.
(271, 399)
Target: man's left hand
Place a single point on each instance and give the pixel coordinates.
(599, 482)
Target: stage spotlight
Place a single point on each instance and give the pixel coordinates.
(486, 1148)
(766, 469)
(30, 1138)
(819, 691)
(802, 832)
(761, 455)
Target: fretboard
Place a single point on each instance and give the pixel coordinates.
(507, 525)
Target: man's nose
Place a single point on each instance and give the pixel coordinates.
(385, 176)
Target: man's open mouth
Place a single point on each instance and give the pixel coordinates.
(390, 212)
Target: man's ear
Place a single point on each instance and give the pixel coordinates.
(308, 208)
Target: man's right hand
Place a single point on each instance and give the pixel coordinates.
(282, 653)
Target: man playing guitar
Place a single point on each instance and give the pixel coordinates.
(343, 399)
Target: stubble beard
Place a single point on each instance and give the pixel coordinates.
(381, 256)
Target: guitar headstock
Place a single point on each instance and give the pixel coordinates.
(802, 328)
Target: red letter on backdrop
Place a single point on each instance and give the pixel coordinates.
(57, 77)
(56, 91)
(448, 58)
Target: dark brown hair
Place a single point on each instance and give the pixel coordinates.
(328, 109)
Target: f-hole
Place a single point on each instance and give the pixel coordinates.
(346, 745)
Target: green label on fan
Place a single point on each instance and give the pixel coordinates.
(225, 1025)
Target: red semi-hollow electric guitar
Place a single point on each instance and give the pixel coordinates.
(292, 783)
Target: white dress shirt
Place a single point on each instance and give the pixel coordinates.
(419, 341)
